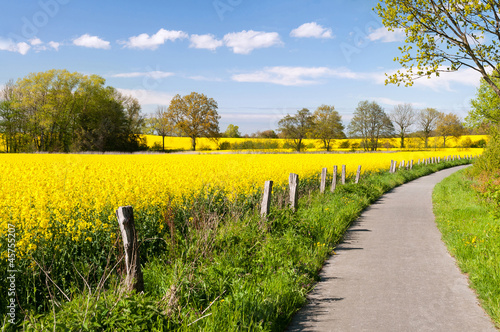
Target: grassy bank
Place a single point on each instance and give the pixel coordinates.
(472, 234)
(220, 271)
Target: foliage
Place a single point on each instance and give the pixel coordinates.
(195, 115)
(61, 111)
(344, 144)
(327, 125)
(370, 122)
(403, 116)
(470, 230)
(489, 162)
(459, 33)
(265, 134)
(232, 131)
(485, 107)
(449, 125)
(297, 127)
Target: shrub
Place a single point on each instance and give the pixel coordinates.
(344, 144)
(225, 146)
(479, 144)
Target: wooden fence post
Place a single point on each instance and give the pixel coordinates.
(293, 182)
(266, 199)
(358, 174)
(134, 279)
(343, 174)
(322, 186)
(390, 168)
(411, 164)
(334, 180)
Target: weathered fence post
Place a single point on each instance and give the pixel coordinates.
(411, 164)
(334, 180)
(358, 174)
(322, 186)
(293, 182)
(343, 174)
(266, 199)
(390, 168)
(134, 279)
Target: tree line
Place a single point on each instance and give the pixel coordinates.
(59, 111)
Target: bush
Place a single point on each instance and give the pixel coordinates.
(490, 160)
(481, 144)
(225, 146)
(344, 145)
(156, 147)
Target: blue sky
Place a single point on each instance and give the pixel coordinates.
(260, 60)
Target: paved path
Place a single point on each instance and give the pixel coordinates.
(393, 273)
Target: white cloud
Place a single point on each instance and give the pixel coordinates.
(87, 40)
(9, 45)
(386, 36)
(311, 30)
(208, 42)
(294, 76)
(144, 41)
(245, 42)
(54, 45)
(148, 97)
(35, 41)
(153, 74)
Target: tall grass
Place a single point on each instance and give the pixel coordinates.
(471, 232)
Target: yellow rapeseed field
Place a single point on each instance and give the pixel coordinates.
(73, 191)
(184, 143)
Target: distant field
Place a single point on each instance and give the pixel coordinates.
(184, 143)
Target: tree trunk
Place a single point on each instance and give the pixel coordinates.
(163, 147)
(193, 143)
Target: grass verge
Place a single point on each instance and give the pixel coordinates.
(239, 273)
(472, 234)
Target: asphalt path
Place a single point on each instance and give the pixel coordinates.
(393, 273)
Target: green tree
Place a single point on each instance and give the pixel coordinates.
(427, 122)
(444, 36)
(485, 107)
(370, 123)
(297, 127)
(449, 125)
(403, 116)
(195, 115)
(232, 131)
(327, 125)
(62, 111)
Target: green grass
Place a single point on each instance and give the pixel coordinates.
(472, 235)
(237, 273)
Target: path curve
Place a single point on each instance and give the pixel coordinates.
(393, 273)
